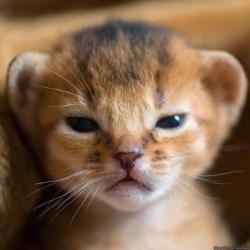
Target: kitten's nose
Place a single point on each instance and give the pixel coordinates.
(127, 159)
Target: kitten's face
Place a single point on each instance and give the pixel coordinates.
(127, 144)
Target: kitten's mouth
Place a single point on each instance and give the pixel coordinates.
(128, 183)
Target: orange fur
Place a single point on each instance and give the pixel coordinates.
(229, 21)
(117, 86)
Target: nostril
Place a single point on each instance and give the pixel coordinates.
(127, 155)
(127, 159)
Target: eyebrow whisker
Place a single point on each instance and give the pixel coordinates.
(64, 106)
(59, 90)
(75, 73)
(64, 78)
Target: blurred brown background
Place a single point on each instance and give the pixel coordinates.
(27, 25)
(33, 8)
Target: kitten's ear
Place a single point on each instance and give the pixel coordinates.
(226, 81)
(21, 76)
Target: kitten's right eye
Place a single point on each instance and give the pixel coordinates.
(82, 124)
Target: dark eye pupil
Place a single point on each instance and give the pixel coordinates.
(81, 124)
(171, 122)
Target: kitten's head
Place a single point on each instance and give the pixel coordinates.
(125, 111)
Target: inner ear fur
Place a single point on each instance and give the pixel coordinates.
(21, 79)
(226, 81)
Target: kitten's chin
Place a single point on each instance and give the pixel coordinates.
(128, 196)
(130, 204)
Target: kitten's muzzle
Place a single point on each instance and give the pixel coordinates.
(127, 159)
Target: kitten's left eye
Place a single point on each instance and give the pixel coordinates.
(82, 124)
(171, 122)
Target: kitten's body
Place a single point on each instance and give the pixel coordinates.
(129, 83)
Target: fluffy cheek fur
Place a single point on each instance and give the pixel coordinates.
(74, 159)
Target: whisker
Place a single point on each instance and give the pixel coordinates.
(81, 205)
(205, 179)
(78, 74)
(86, 171)
(59, 90)
(75, 193)
(92, 198)
(188, 153)
(198, 192)
(65, 105)
(59, 197)
(190, 197)
(71, 197)
(177, 198)
(84, 200)
(69, 70)
(54, 182)
(212, 181)
(222, 173)
(73, 71)
(58, 202)
(89, 172)
(75, 196)
(65, 79)
(40, 189)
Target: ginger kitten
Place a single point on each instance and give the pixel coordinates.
(123, 117)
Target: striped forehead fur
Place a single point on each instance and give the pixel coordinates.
(120, 54)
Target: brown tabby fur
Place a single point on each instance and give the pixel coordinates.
(231, 34)
(125, 76)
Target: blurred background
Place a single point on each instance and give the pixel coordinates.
(221, 24)
(40, 7)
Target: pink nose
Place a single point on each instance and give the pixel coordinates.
(127, 159)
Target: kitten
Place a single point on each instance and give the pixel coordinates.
(123, 118)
